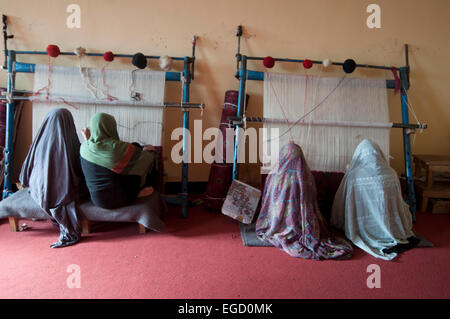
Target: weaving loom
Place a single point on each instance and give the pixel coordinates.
(135, 98)
(328, 117)
(138, 121)
(327, 144)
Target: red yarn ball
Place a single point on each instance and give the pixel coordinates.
(53, 50)
(269, 62)
(108, 56)
(307, 64)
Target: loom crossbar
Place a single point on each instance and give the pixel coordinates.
(259, 76)
(30, 67)
(235, 119)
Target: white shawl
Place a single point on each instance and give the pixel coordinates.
(369, 205)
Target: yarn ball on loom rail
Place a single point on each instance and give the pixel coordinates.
(108, 56)
(53, 50)
(307, 64)
(349, 66)
(165, 63)
(326, 63)
(269, 62)
(80, 51)
(139, 60)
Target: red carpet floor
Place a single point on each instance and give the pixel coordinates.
(203, 257)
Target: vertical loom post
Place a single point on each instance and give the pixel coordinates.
(184, 165)
(9, 140)
(240, 112)
(406, 142)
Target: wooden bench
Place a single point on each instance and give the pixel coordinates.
(427, 187)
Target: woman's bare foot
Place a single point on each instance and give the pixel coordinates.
(146, 191)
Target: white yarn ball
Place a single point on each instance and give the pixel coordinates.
(165, 63)
(326, 63)
(80, 51)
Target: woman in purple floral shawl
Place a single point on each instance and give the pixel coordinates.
(290, 218)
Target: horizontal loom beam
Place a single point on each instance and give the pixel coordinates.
(30, 68)
(98, 54)
(239, 120)
(259, 76)
(43, 98)
(380, 67)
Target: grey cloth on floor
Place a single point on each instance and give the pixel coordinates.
(146, 211)
(52, 173)
(249, 238)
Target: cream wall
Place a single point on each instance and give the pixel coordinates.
(297, 29)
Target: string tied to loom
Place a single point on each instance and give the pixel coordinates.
(397, 80)
(135, 96)
(183, 83)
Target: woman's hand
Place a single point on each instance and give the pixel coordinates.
(147, 191)
(149, 148)
(86, 133)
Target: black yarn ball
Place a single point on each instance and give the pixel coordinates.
(349, 66)
(139, 60)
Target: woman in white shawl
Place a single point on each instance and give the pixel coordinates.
(369, 205)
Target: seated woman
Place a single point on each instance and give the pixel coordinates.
(290, 218)
(116, 172)
(52, 173)
(369, 205)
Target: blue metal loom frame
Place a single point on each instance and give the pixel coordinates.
(243, 74)
(14, 67)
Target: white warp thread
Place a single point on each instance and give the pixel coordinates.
(326, 148)
(136, 123)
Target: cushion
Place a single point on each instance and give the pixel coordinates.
(146, 211)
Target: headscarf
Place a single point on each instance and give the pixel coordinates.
(52, 172)
(290, 218)
(105, 149)
(369, 205)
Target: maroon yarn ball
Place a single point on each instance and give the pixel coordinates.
(53, 50)
(108, 56)
(269, 62)
(307, 64)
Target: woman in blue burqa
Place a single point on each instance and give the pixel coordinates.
(52, 172)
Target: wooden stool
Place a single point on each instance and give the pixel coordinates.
(429, 188)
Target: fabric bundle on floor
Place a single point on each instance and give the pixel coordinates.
(369, 205)
(290, 218)
(333, 102)
(133, 97)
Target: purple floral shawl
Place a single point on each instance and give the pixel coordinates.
(290, 218)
